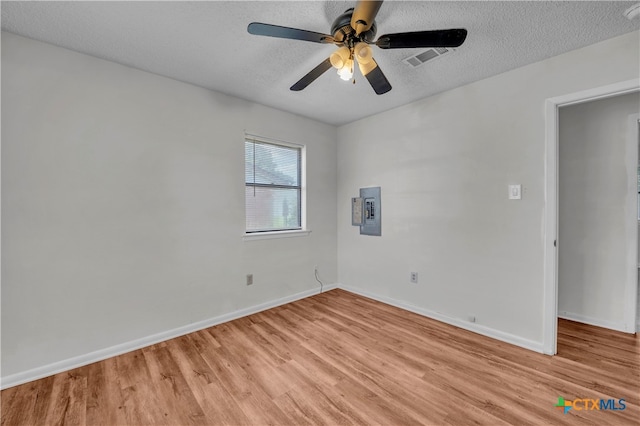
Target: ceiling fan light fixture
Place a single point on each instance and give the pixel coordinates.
(346, 72)
(363, 53)
(340, 57)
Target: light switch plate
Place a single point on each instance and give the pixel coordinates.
(515, 192)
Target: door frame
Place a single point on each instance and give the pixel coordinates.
(550, 301)
(631, 292)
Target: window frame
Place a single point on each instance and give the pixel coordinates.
(285, 232)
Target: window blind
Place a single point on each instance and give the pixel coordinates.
(272, 186)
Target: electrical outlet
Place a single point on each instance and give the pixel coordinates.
(315, 269)
(471, 318)
(414, 277)
(249, 279)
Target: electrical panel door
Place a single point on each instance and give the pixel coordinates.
(366, 211)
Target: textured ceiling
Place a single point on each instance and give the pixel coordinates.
(207, 44)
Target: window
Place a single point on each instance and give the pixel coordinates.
(273, 186)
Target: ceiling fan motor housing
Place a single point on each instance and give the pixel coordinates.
(343, 32)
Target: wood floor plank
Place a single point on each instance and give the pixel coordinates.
(217, 404)
(252, 360)
(140, 403)
(203, 340)
(338, 358)
(104, 396)
(174, 393)
(315, 366)
(274, 353)
(28, 403)
(68, 399)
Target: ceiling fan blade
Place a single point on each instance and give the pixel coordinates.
(258, 28)
(364, 14)
(312, 75)
(437, 38)
(375, 76)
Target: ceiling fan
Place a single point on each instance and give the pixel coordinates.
(353, 32)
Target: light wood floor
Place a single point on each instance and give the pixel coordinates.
(338, 358)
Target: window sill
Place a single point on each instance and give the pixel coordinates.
(275, 235)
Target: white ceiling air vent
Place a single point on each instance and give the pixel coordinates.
(427, 55)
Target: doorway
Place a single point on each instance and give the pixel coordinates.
(552, 242)
(597, 217)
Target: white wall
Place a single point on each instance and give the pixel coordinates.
(123, 205)
(593, 197)
(444, 164)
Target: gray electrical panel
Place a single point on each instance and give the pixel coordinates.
(366, 211)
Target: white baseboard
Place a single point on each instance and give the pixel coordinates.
(99, 355)
(611, 325)
(476, 328)
(102, 354)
